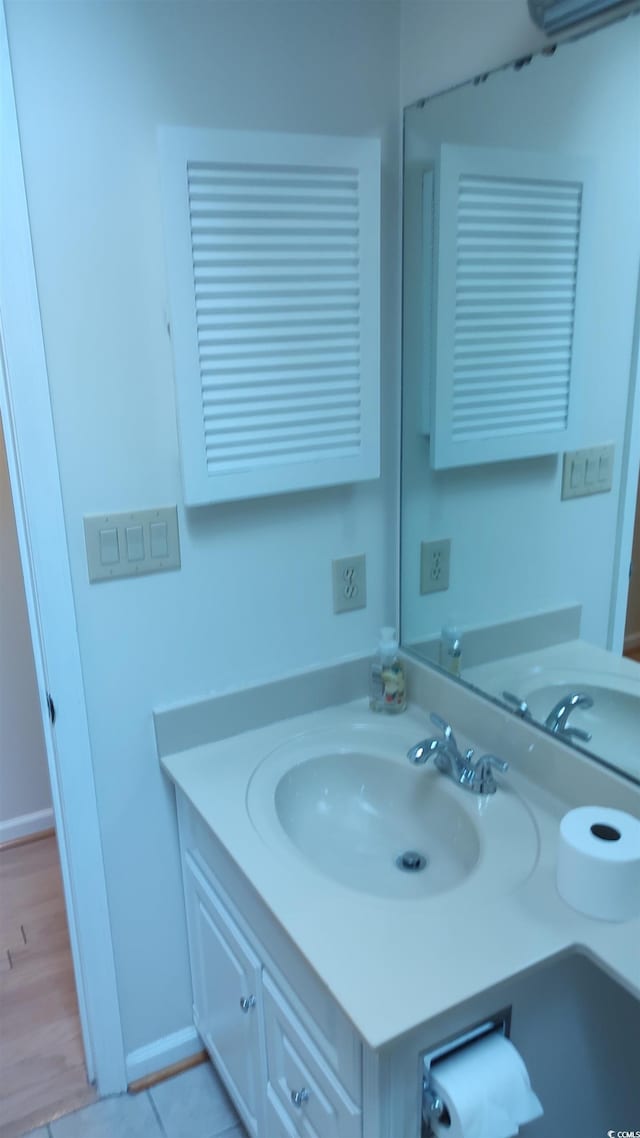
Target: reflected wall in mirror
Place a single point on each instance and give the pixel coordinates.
(531, 299)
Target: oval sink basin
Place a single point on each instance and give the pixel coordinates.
(361, 814)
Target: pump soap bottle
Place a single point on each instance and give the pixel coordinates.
(387, 690)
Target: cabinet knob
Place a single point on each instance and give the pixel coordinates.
(247, 1003)
(299, 1098)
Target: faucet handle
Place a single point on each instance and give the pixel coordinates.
(447, 732)
(521, 706)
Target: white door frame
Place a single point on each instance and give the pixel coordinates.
(628, 498)
(35, 482)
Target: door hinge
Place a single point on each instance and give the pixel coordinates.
(52, 709)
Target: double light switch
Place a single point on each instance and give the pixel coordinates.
(132, 544)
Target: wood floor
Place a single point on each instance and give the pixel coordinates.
(42, 1073)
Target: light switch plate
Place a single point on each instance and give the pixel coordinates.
(121, 545)
(587, 471)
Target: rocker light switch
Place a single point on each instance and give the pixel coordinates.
(132, 544)
(135, 543)
(109, 549)
(159, 539)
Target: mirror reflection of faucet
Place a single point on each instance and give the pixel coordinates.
(471, 774)
(556, 720)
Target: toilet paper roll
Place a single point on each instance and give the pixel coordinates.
(598, 869)
(486, 1089)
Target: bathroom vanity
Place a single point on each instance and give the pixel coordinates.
(319, 987)
(350, 914)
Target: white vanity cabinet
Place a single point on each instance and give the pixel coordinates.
(280, 1037)
(304, 1092)
(226, 978)
(289, 1058)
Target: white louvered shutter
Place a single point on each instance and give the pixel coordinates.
(512, 240)
(273, 261)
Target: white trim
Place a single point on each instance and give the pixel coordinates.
(163, 1052)
(24, 825)
(35, 483)
(629, 467)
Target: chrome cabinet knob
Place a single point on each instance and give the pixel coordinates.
(247, 1003)
(299, 1098)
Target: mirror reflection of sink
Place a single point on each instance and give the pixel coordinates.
(612, 721)
(543, 676)
(359, 813)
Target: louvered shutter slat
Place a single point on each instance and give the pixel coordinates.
(276, 340)
(511, 235)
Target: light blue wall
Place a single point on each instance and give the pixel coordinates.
(253, 598)
(447, 43)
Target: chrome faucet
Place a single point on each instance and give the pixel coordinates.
(474, 775)
(556, 720)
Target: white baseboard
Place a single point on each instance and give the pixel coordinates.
(25, 825)
(162, 1053)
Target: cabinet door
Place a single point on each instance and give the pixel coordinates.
(227, 999)
(278, 1125)
(302, 1089)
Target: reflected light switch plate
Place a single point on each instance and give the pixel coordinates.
(587, 471)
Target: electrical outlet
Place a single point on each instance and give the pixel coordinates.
(349, 583)
(435, 557)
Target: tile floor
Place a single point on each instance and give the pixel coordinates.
(191, 1105)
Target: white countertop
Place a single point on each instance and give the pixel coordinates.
(577, 660)
(394, 964)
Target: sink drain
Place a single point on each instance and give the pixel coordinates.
(411, 861)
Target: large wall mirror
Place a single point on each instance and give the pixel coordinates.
(521, 432)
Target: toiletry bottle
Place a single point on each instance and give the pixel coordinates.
(386, 683)
(451, 649)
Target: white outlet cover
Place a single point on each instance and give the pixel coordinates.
(349, 583)
(441, 550)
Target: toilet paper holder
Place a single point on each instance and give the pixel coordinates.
(433, 1108)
